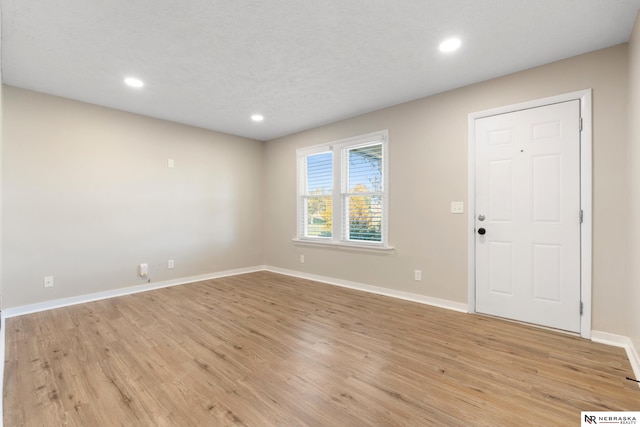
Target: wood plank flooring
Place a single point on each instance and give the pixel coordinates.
(264, 349)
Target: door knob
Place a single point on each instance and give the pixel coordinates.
(481, 231)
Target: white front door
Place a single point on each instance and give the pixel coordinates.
(527, 220)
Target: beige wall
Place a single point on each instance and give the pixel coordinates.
(1, 300)
(428, 170)
(634, 185)
(88, 196)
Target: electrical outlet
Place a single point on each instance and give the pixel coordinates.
(48, 281)
(170, 264)
(170, 163)
(301, 259)
(417, 275)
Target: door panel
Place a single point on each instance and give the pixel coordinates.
(547, 186)
(528, 191)
(547, 273)
(500, 262)
(500, 190)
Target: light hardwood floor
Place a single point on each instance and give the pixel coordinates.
(263, 349)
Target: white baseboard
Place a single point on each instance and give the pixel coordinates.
(610, 339)
(408, 296)
(620, 341)
(634, 358)
(80, 299)
(2, 347)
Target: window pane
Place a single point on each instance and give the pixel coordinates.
(357, 189)
(319, 174)
(365, 169)
(364, 220)
(319, 211)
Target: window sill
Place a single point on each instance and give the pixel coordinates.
(345, 246)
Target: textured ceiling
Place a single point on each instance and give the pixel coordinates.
(213, 63)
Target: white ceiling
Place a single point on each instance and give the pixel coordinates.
(213, 63)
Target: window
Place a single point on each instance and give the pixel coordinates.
(342, 192)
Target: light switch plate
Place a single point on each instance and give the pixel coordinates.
(457, 207)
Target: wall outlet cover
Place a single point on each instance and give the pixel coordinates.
(48, 281)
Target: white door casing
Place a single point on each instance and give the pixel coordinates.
(533, 263)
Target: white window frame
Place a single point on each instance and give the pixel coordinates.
(339, 236)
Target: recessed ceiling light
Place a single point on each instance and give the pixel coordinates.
(257, 117)
(133, 82)
(449, 45)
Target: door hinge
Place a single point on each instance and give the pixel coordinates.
(581, 216)
(581, 308)
(580, 124)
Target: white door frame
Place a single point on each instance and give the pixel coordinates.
(586, 162)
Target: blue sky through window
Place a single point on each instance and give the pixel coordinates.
(320, 173)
